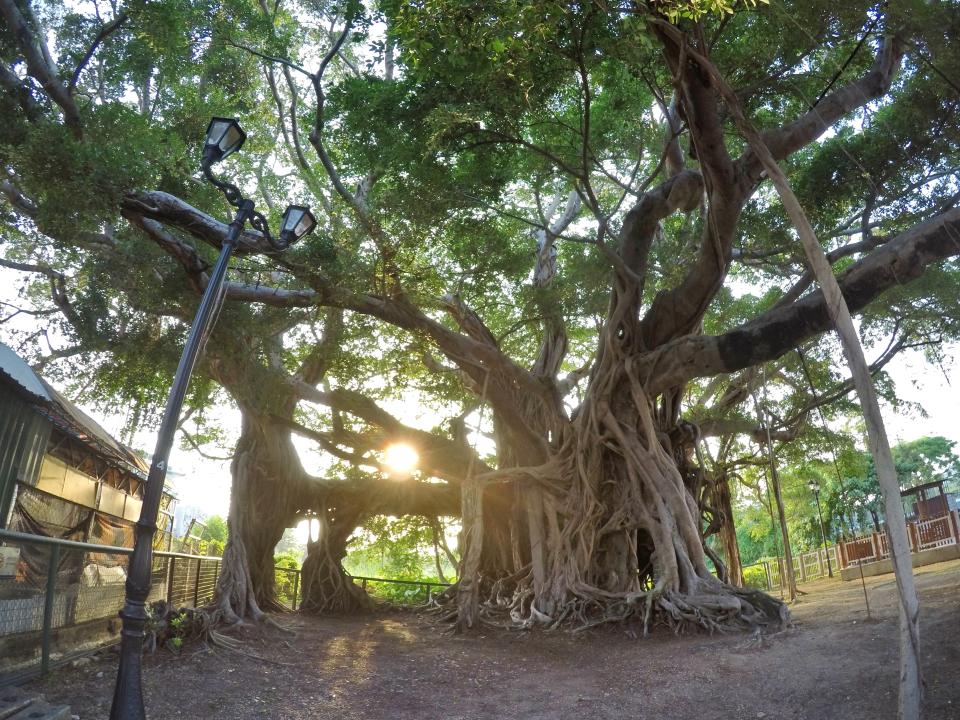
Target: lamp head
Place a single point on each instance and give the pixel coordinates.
(224, 137)
(297, 222)
(814, 487)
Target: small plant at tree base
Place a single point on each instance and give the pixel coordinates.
(174, 628)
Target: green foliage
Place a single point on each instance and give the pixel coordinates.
(850, 495)
(285, 577)
(755, 577)
(478, 126)
(677, 10)
(396, 549)
(214, 536)
(215, 528)
(485, 118)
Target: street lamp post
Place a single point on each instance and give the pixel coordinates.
(815, 489)
(224, 137)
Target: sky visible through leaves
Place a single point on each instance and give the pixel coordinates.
(205, 484)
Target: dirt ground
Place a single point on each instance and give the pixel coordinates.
(832, 664)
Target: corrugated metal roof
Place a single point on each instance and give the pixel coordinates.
(16, 370)
(87, 430)
(64, 414)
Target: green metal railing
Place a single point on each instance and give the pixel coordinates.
(293, 599)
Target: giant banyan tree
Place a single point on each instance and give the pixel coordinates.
(539, 224)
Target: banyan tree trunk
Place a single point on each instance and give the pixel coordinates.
(728, 532)
(263, 498)
(611, 529)
(326, 586)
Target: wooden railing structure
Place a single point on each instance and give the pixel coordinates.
(924, 535)
(806, 567)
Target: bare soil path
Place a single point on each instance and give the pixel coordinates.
(832, 664)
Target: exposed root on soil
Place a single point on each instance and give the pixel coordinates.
(176, 628)
(220, 640)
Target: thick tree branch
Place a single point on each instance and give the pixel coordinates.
(17, 199)
(440, 457)
(475, 357)
(679, 311)
(779, 330)
(39, 65)
(12, 84)
(379, 496)
(171, 210)
(832, 108)
(742, 426)
(104, 33)
(806, 280)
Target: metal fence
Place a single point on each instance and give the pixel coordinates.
(60, 598)
(289, 587)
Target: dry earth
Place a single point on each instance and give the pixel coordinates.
(832, 664)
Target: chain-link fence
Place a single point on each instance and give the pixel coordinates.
(60, 598)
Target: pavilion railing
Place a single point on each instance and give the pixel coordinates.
(927, 534)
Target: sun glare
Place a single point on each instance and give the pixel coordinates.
(304, 531)
(400, 459)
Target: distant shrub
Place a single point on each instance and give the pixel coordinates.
(284, 579)
(402, 594)
(755, 577)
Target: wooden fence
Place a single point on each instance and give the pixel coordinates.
(806, 567)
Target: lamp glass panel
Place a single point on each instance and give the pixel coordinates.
(305, 225)
(218, 129)
(292, 217)
(230, 138)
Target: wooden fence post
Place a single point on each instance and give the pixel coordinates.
(196, 584)
(955, 523)
(171, 565)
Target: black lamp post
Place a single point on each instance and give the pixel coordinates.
(224, 137)
(815, 489)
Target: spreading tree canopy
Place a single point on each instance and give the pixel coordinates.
(538, 222)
